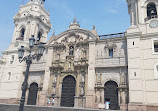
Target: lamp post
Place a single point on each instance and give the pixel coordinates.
(28, 59)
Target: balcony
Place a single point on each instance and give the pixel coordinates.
(102, 37)
(112, 62)
(150, 17)
(57, 66)
(79, 64)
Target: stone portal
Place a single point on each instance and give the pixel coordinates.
(68, 91)
(111, 94)
(32, 94)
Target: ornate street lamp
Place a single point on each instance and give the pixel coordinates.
(32, 42)
(28, 60)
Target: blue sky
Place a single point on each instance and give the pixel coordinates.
(109, 16)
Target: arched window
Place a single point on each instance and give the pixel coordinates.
(39, 36)
(151, 9)
(22, 32)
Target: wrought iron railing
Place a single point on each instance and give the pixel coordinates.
(122, 34)
(150, 17)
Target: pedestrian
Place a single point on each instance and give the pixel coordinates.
(53, 102)
(48, 102)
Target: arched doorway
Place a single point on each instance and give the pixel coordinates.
(111, 94)
(32, 94)
(68, 91)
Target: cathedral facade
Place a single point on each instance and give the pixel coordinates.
(80, 68)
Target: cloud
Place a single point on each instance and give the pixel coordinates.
(67, 10)
(115, 7)
(121, 1)
(112, 11)
(63, 7)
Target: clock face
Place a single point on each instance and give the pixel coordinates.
(154, 24)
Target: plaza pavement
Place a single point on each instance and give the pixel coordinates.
(13, 107)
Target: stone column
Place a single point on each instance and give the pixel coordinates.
(1, 71)
(132, 17)
(91, 76)
(57, 93)
(33, 26)
(15, 35)
(76, 104)
(36, 30)
(27, 31)
(43, 98)
(139, 12)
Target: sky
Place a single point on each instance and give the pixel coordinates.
(109, 16)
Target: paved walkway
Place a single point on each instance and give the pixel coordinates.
(7, 107)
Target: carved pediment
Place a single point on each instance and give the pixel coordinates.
(77, 34)
(110, 45)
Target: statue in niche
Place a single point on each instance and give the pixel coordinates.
(82, 77)
(71, 50)
(99, 78)
(54, 89)
(84, 53)
(77, 53)
(55, 78)
(58, 56)
(123, 79)
(81, 90)
(69, 65)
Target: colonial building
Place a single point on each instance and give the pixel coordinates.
(142, 47)
(80, 68)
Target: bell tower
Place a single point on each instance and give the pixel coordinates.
(31, 19)
(142, 11)
(142, 48)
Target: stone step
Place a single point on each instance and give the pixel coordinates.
(13, 107)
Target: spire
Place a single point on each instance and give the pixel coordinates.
(53, 33)
(74, 24)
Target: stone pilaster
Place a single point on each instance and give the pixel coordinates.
(43, 97)
(91, 76)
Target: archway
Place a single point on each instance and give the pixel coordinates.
(32, 94)
(111, 94)
(151, 9)
(68, 91)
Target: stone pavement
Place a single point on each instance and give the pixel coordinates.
(7, 107)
